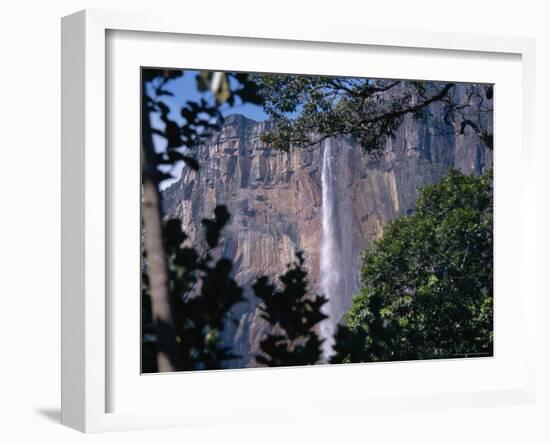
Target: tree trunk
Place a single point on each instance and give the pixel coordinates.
(157, 270)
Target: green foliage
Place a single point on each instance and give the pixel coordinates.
(427, 284)
(293, 313)
(202, 293)
(308, 109)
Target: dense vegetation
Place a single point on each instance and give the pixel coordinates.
(427, 284)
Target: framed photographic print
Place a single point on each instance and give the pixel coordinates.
(292, 223)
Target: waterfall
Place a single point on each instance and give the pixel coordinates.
(330, 259)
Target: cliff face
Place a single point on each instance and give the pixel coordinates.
(275, 199)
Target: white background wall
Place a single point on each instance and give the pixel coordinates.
(30, 220)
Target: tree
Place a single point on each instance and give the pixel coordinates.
(309, 109)
(200, 118)
(427, 284)
(202, 292)
(293, 313)
(162, 315)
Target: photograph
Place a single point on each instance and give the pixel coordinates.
(293, 219)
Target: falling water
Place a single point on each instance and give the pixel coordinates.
(330, 266)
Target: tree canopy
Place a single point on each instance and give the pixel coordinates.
(308, 109)
(427, 284)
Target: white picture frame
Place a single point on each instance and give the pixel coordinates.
(86, 204)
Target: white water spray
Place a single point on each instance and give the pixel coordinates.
(330, 262)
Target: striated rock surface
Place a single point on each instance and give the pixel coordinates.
(275, 200)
